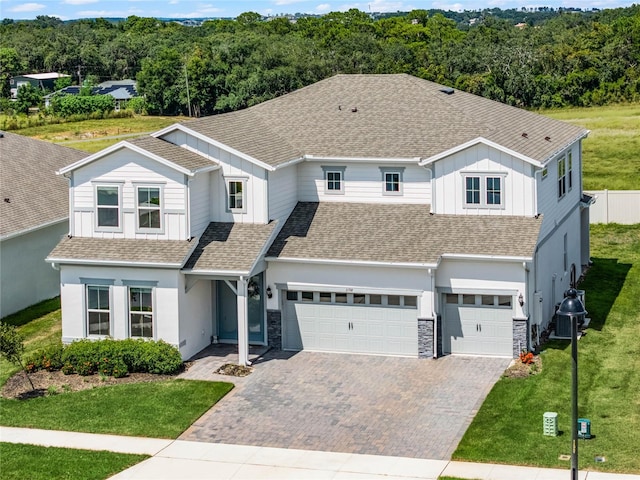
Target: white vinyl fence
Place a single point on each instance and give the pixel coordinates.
(615, 206)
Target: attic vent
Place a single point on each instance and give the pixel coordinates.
(354, 109)
(548, 139)
(447, 90)
(525, 134)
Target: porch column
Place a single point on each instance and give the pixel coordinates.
(243, 322)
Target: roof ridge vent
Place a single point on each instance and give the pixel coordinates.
(447, 90)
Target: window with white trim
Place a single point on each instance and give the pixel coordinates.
(141, 312)
(570, 169)
(392, 180)
(236, 195)
(484, 191)
(333, 180)
(149, 208)
(562, 177)
(98, 310)
(108, 206)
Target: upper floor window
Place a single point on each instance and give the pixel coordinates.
(334, 180)
(392, 180)
(149, 208)
(562, 177)
(236, 200)
(98, 311)
(484, 191)
(570, 169)
(108, 206)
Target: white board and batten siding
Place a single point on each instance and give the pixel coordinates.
(231, 167)
(128, 169)
(449, 185)
(363, 182)
(201, 203)
(283, 192)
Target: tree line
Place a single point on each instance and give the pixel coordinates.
(552, 59)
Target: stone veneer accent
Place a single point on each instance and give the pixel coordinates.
(439, 339)
(274, 329)
(520, 336)
(425, 338)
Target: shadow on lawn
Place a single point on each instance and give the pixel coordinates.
(602, 285)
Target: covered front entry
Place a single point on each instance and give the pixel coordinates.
(350, 323)
(227, 311)
(478, 324)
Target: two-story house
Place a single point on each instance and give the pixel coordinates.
(378, 214)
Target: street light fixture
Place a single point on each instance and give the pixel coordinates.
(573, 308)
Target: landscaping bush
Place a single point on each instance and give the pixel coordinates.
(49, 359)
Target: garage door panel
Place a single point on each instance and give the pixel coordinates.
(352, 328)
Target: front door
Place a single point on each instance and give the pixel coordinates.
(228, 311)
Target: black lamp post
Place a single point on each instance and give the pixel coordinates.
(573, 308)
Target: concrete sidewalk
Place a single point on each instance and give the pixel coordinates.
(177, 459)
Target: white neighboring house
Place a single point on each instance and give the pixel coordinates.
(34, 211)
(378, 214)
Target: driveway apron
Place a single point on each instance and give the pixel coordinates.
(352, 403)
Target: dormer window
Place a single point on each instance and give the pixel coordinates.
(108, 207)
(392, 180)
(484, 190)
(149, 207)
(334, 180)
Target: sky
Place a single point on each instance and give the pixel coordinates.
(74, 9)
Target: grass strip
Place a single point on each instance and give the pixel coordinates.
(52, 463)
(509, 426)
(162, 409)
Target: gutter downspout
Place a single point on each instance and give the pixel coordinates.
(433, 314)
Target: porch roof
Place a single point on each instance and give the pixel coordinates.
(230, 247)
(402, 234)
(122, 251)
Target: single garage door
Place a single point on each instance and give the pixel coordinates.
(350, 323)
(478, 324)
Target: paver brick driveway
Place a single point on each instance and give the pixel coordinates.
(352, 403)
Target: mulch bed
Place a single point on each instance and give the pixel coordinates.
(522, 370)
(52, 383)
(234, 370)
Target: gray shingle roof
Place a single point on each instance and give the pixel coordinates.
(398, 234)
(233, 247)
(122, 251)
(396, 116)
(173, 153)
(36, 195)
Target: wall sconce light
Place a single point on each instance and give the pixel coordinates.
(269, 292)
(520, 300)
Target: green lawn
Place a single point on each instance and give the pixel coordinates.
(155, 409)
(508, 427)
(20, 462)
(41, 326)
(610, 151)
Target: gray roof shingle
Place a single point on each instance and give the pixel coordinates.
(233, 247)
(122, 251)
(180, 156)
(31, 194)
(381, 116)
(398, 234)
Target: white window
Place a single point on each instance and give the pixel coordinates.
(108, 207)
(236, 195)
(334, 180)
(98, 310)
(484, 191)
(392, 180)
(141, 312)
(149, 208)
(570, 172)
(562, 177)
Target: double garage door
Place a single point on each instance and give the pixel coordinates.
(478, 324)
(350, 323)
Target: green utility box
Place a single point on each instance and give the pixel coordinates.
(584, 428)
(550, 424)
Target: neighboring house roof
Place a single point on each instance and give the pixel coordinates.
(232, 247)
(32, 195)
(401, 234)
(122, 251)
(118, 89)
(382, 116)
(44, 76)
(176, 157)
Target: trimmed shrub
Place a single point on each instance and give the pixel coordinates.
(49, 359)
